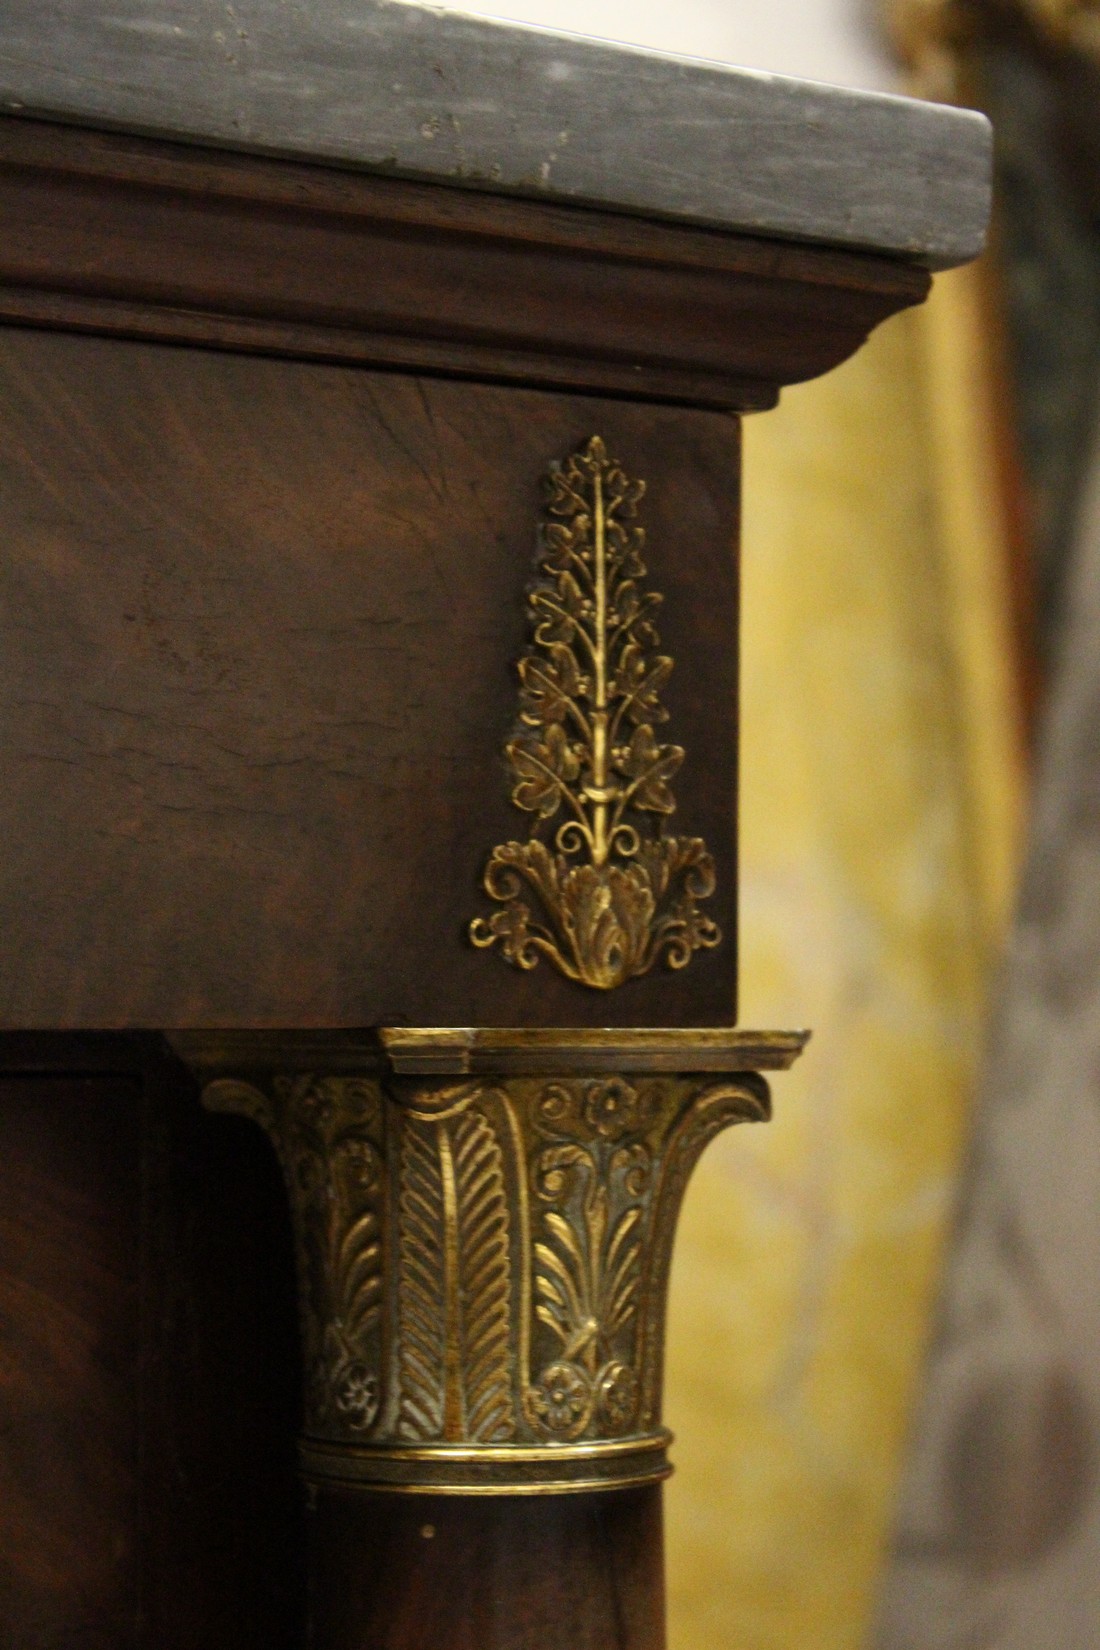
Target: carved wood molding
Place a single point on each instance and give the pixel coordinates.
(148, 239)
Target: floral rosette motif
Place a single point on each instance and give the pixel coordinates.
(617, 1391)
(611, 1107)
(561, 1402)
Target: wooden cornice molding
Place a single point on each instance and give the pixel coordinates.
(146, 239)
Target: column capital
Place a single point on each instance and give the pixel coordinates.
(484, 1223)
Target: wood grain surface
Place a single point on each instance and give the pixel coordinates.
(149, 1370)
(561, 1572)
(70, 1347)
(258, 626)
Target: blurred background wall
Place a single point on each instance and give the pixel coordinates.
(996, 1543)
(907, 524)
(834, 40)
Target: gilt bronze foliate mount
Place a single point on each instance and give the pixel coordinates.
(484, 1226)
(607, 894)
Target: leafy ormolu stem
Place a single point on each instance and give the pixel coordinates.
(611, 893)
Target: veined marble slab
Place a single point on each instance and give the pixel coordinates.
(410, 89)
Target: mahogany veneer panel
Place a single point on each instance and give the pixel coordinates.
(258, 625)
(69, 1364)
(148, 1368)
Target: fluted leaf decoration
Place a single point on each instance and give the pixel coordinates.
(455, 1375)
(422, 1344)
(485, 1280)
(609, 894)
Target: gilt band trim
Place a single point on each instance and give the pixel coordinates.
(442, 1469)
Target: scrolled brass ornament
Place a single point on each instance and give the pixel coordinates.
(598, 888)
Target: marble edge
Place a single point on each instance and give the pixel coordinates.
(410, 90)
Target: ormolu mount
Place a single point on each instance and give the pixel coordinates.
(612, 894)
(484, 1226)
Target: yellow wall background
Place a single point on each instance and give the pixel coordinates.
(881, 785)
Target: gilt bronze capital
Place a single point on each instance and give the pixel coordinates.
(484, 1227)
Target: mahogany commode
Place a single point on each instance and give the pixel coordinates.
(369, 473)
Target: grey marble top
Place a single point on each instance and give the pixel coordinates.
(410, 89)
